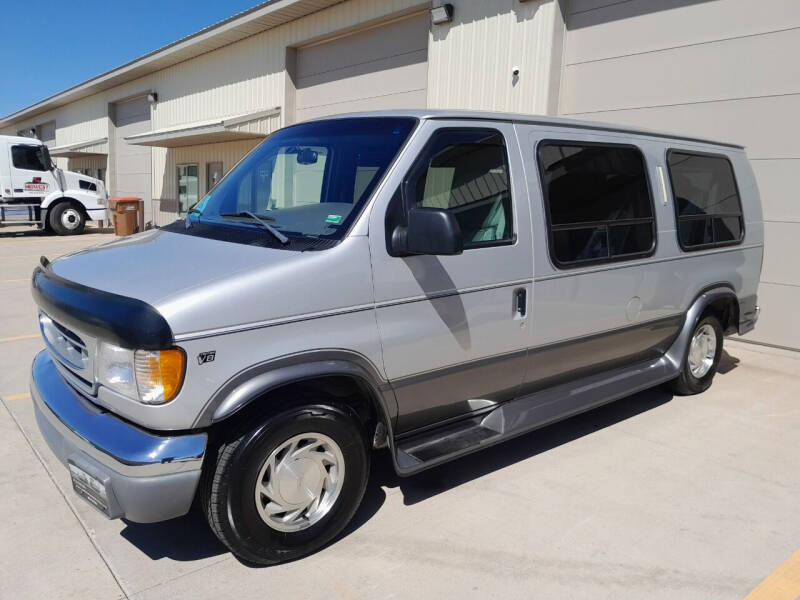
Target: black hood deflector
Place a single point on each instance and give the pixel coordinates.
(123, 321)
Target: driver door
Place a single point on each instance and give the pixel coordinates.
(454, 328)
(29, 174)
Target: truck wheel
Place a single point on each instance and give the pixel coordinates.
(286, 487)
(66, 219)
(701, 358)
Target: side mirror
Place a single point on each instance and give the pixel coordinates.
(429, 231)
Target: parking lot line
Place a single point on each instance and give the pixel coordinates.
(16, 338)
(782, 584)
(89, 532)
(23, 396)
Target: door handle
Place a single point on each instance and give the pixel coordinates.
(521, 301)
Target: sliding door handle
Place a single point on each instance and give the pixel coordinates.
(521, 302)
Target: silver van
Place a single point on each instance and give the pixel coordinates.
(434, 282)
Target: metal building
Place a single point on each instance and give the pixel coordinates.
(168, 125)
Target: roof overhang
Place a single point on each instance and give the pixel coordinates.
(97, 147)
(238, 27)
(242, 127)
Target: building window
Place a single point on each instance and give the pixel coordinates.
(188, 187)
(598, 202)
(707, 205)
(30, 158)
(465, 171)
(101, 174)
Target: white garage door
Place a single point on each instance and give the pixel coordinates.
(132, 163)
(381, 68)
(724, 70)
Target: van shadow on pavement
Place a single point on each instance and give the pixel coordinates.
(189, 538)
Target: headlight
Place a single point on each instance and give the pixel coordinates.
(149, 376)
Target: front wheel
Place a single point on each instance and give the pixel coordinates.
(66, 219)
(701, 358)
(288, 486)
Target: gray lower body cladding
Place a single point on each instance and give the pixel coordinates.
(439, 395)
(590, 372)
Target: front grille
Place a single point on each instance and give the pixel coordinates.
(72, 351)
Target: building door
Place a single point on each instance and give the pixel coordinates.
(213, 175)
(382, 67)
(132, 164)
(188, 187)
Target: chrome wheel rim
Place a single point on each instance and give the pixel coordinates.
(702, 351)
(299, 482)
(70, 218)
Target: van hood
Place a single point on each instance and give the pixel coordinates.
(200, 284)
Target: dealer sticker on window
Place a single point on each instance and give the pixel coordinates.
(334, 219)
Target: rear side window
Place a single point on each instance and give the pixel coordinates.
(465, 171)
(28, 157)
(707, 204)
(597, 200)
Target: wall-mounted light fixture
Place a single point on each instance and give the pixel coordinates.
(442, 14)
(152, 97)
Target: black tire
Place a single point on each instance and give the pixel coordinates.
(686, 383)
(227, 494)
(69, 212)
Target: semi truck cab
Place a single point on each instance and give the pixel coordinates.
(33, 191)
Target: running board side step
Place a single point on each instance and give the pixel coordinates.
(522, 415)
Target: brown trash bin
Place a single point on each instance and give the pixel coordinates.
(128, 214)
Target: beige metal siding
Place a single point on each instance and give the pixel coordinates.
(381, 68)
(92, 163)
(250, 75)
(723, 70)
(469, 66)
(471, 59)
(47, 133)
(132, 164)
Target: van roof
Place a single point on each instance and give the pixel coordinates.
(532, 119)
(20, 140)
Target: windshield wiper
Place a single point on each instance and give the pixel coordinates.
(246, 213)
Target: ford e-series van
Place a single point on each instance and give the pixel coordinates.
(431, 281)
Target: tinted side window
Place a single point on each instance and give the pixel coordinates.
(707, 203)
(598, 202)
(28, 157)
(466, 172)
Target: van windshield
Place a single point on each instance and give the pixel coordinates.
(308, 180)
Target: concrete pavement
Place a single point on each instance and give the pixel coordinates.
(649, 497)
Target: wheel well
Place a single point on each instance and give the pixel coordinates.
(726, 310)
(345, 391)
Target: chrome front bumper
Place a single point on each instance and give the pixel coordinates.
(147, 477)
